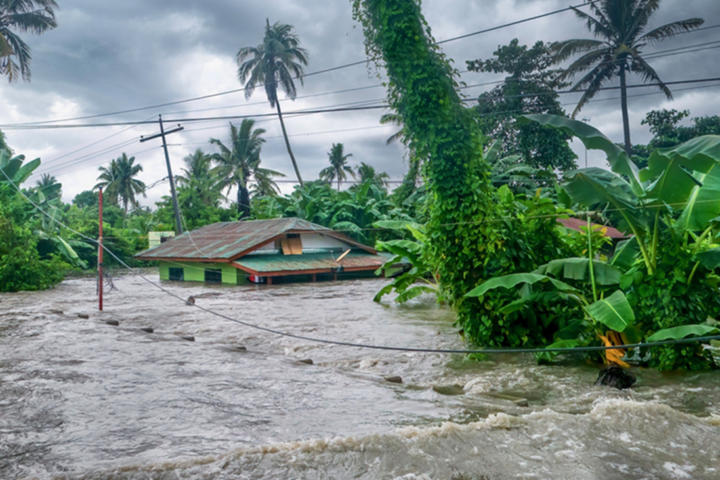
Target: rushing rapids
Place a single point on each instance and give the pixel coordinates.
(83, 399)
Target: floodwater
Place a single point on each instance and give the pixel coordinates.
(83, 399)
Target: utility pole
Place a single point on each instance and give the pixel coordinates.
(176, 207)
(100, 252)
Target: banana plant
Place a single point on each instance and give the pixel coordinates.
(676, 196)
(548, 283)
(679, 190)
(420, 278)
(13, 169)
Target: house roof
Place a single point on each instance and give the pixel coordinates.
(271, 265)
(228, 241)
(576, 223)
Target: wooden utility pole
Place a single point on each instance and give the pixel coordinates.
(176, 207)
(100, 251)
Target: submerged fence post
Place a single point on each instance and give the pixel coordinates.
(100, 251)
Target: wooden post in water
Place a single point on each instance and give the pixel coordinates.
(100, 251)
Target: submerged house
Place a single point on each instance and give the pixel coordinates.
(262, 251)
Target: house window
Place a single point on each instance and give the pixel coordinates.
(177, 274)
(213, 275)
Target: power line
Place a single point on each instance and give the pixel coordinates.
(331, 69)
(507, 112)
(361, 345)
(518, 22)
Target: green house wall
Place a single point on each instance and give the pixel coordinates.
(195, 271)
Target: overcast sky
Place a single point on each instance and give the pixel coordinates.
(110, 56)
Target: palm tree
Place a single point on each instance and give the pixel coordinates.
(240, 163)
(200, 177)
(338, 168)
(274, 63)
(369, 174)
(119, 182)
(46, 183)
(34, 16)
(620, 27)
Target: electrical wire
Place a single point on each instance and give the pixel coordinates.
(332, 69)
(362, 345)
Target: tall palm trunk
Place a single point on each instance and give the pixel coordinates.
(243, 199)
(287, 143)
(338, 182)
(623, 101)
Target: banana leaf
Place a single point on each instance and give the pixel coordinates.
(626, 252)
(512, 281)
(593, 186)
(402, 248)
(413, 292)
(709, 259)
(578, 268)
(703, 204)
(669, 181)
(699, 154)
(614, 312)
(678, 333)
(593, 139)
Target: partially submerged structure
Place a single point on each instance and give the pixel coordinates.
(262, 251)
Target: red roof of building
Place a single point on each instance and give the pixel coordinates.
(576, 223)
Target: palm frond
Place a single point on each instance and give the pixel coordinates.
(671, 29)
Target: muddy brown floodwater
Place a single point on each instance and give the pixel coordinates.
(83, 399)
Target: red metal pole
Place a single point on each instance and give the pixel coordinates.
(100, 251)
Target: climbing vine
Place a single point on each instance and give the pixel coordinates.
(468, 238)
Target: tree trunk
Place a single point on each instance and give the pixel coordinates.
(243, 199)
(287, 143)
(623, 101)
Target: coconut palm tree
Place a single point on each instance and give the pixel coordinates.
(338, 168)
(274, 63)
(120, 183)
(369, 174)
(239, 163)
(34, 16)
(200, 176)
(620, 27)
(46, 183)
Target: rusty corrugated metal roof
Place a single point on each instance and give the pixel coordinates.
(226, 241)
(288, 264)
(576, 223)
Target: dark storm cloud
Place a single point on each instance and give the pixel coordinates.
(108, 56)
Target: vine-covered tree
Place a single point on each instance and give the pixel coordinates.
(239, 163)
(620, 27)
(273, 65)
(338, 169)
(530, 87)
(33, 16)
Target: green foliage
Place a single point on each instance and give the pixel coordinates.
(406, 283)
(239, 164)
(274, 63)
(530, 87)
(119, 182)
(620, 27)
(668, 266)
(21, 267)
(664, 124)
(35, 16)
(338, 168)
